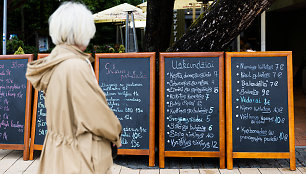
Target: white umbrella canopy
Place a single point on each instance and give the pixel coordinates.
(143, 6)
(119, 13)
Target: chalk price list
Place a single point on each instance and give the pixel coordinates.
(191, 104)
(12, 100)
(41, 124)
(260, 102)
(127, 91)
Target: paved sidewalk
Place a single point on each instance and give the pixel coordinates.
(11, 162)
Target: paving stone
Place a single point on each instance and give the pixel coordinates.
(302, 169)
(169, 171)
(269, 171)
(209, 171)
(249, 171)
(226, 171)
(288, 171)
(189, 171)
(19, 166)
(300, 155)
(149, 171)
(9, 160)
(32, 168)
(4, 153)
(116, 169)
(126, 170)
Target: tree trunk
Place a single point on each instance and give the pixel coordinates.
(220, 24)
(22, 23)
(159, 22)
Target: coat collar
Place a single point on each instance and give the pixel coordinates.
(77, 51)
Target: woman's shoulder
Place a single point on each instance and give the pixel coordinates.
(74, 63)
(73, 66)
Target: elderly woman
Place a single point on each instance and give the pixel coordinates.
(80, 123)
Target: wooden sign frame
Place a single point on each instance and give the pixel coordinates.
(162, 152)
(229, 134)
(25, 146)
(151, 151)
(34, 117)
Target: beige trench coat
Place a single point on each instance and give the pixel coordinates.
(80, 123)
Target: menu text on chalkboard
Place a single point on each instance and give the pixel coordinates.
(126, 85)
(127, 81)
(12, 100)
(191, 107)
(192, 104)
(15, 102)
(41, 122)
(260, 104)
(259, 93)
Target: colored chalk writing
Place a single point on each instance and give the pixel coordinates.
(41, 125)
(126, 84)
(13, 86)
(260, 104)
(192, 104)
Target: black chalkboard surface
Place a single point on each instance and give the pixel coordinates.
(41, 125)
(259, 87)
(192, 110)
(192, 104)
(260, 104)
(127, 81)
(15, 102)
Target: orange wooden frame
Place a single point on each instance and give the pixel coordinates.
(25, 146)
(229, 134)
(162, 152)
(34, 116)
(151, 55)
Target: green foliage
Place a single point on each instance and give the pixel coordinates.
(106, 48)
(19, 51)
(111, 50)
(36, 14)
(99, 5)
(30, 50)
(121, 49)
(13, 44)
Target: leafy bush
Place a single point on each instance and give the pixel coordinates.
(19, 51)
(109, 48)
(30, 50)
(13, 44)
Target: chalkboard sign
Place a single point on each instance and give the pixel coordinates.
(128, 83)
(39, 125)
(192, 106)
(15, 103)
(259, 94)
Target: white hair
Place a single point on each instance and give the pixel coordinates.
(73, 24)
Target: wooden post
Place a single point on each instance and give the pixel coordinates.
(193, 12)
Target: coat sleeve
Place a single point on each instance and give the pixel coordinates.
(90, 107)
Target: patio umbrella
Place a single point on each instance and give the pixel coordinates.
(122, 13)
(143, 6)
(118, 14)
